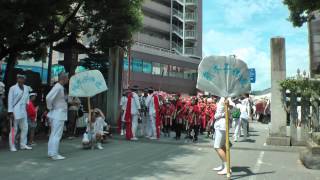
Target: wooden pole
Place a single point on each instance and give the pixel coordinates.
(226, 110)
(89, 111)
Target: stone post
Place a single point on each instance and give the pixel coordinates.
(277, 133)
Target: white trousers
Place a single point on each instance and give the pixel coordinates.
(241, 123)
(152, 125)
(22, 124)
(134, 126)
(55, 137)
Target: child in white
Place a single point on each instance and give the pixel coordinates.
(95, 127)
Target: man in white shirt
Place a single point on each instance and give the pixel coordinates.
(58, 114)
(135, 109)
(244, 107)
(123, 107)
(17, 108)
(152, 129)
(220, 135)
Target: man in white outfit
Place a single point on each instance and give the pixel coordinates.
(123, 106)
(58, 114)
(17, 108)
(244, 107)
(152, 115)
(135, 112)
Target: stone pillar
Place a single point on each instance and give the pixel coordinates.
(277, 133)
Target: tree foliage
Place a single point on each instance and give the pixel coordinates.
(300, 10)
(28, 27)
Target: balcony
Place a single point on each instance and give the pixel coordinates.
(152, 40)
(177, 14)
(177, 30)
(156, 8)
(189, 51)
(191, 17)
(180, 1)
(190, 34)
(156, 24)
(177, 47)
(191, 3)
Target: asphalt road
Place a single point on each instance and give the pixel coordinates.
(156, 160)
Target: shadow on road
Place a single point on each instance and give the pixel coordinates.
(246, 172)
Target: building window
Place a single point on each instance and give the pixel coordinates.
(125, 64)
(137, 65)
(147, 67)
(156, 69)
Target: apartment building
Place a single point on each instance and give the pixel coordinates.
(168, 50)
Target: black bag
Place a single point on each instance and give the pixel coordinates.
(80, 112)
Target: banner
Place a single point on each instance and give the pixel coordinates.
(87, 84)
(223, 76)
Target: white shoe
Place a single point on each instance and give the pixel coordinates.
(122, 133)
(57, 157)
(218, 168)
(224, 171)
(25, 147)
(99, 146)
(13, 149)
(134, 139)
(153, 138)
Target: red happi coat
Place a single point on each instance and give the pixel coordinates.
(158, 120)
(203, 115)
(196, 112)
(128, 118)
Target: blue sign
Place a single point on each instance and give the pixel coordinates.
(252, 74)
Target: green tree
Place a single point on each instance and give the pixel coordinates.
(27, 27)
(300, 10)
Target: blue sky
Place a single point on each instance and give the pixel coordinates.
(244, 28)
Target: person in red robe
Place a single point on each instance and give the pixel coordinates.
(168, 115)
(179, 116)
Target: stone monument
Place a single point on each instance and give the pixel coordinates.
(277, 133)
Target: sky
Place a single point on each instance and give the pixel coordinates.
(244, 28)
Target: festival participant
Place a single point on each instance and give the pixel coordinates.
(58, 114)
(220, 136)
(123, 106)
(168, 115)
(153, 105)
(74, 106)
(179, 115)
(17, 104)
(132, 114)
(95, 128)
(32, 117)
(195, 121)
(144, 113)
(244, 107)
(203, 111)
(210, 111)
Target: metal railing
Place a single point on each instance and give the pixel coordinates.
(177, 30)
(177, 47)
(189, 50)
(177, 13)
(190, 34)
(162, 50)
(191, 1)
(190, 16)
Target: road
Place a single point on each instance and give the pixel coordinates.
(157, 160)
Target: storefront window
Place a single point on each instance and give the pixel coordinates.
(156, 69)
(125, 64)
(147, 67)
(137, 65)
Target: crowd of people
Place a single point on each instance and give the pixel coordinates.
(143, 113)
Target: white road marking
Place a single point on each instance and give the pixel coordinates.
(257, 166)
